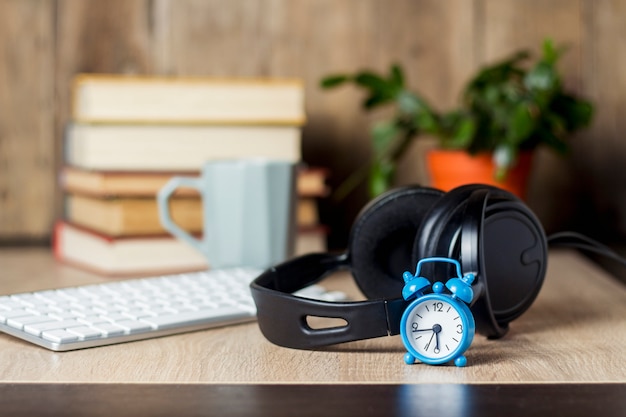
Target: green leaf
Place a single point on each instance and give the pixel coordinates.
(550, 138)
(493, 95)
(542, 77)
(522, 124)
(409, 103)
(383, 135)
(334, 81)
(376, 100)
(464, 133)
(373, 81)
(498, 72)
(504, 157)
(550, 54)
(396, 76)
(576, 113)
(381, 91)
(580, 114)
(381, 176)
(427, 121)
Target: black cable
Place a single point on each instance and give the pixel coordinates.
(585, 243)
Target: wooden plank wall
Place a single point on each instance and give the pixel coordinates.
(439, 42)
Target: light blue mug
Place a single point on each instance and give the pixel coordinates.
(248, 211)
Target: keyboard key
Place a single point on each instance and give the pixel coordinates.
(6, 303)
(40, 310)
(85, 332)
(92, 320)
(134, 326)
(37, 329)
(59, 336)
(62, 315)
(109, 330)
(6, 315)
(20, 322)
(114, 317)
(137, 314)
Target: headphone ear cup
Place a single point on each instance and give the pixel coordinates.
(381, 241)
(510, 250)
(515, 257)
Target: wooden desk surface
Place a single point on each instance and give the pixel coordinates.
(574, 333)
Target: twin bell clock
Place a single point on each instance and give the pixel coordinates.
(438, 327)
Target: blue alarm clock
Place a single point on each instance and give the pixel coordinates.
(437, 327)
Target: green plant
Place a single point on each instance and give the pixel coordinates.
(505, 108)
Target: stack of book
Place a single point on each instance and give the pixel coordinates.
(311, 187)
(129, 135)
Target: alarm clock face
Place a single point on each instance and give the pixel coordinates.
(436, 328)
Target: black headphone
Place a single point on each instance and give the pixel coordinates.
(491, 232)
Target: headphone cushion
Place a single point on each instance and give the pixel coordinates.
(441, 224)
(381, 241)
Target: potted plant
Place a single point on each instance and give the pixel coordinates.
(506, 111)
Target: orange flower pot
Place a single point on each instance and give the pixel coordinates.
(449, 169)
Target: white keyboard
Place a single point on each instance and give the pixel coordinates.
(122, 311)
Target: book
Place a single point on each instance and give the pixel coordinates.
(116, 147)
(128, 216)
(131, 215)
(307, 213)
(98, 98)
(129, 256)
(145, 255)
(310, 182)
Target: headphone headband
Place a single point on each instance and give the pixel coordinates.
(282, 316)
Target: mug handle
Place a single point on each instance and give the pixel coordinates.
(163, 198)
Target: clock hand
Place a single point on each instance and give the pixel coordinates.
(436, 331)
(428, 344)
(422, 330)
